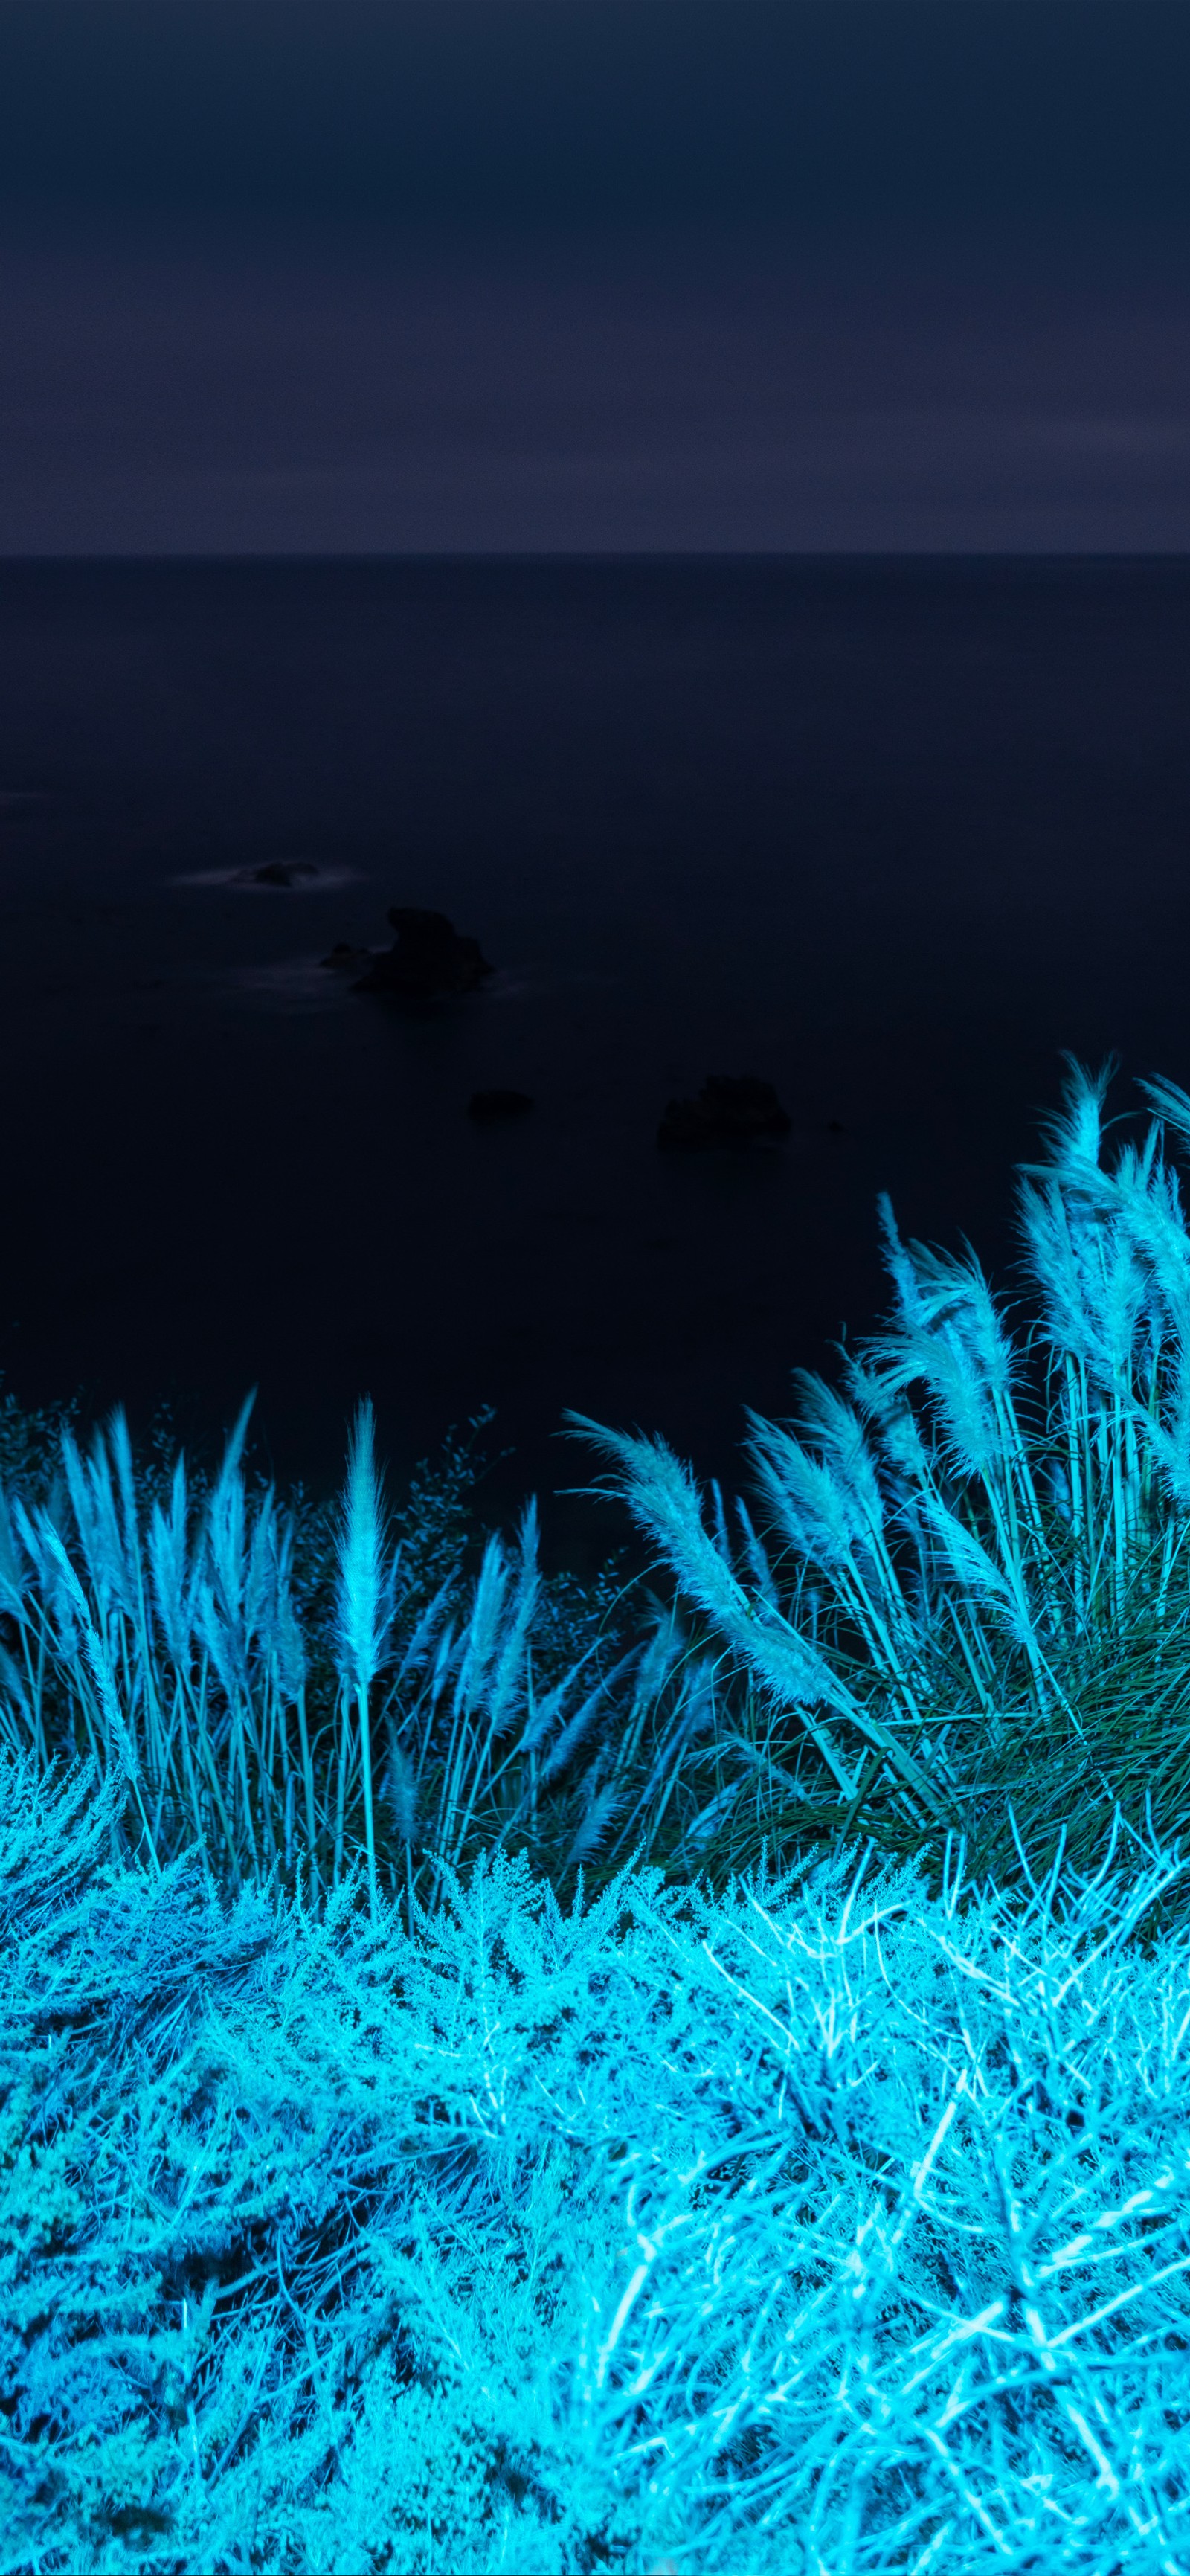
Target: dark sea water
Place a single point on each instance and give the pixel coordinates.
(890, 834)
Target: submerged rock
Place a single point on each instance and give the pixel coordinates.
(731, 1109)
(429, 958)
(348, 960)
(488, 1106)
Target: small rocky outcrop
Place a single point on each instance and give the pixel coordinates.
(429, 959)
(489, 1107)
(282, 873)
(731, 1109)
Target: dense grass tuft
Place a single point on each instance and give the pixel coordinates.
(974, 1602)
(820, 2226)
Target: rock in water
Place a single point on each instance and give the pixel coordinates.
(429, 958)
(283, 873)
(731, 1109)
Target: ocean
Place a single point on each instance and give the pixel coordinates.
(889, 834)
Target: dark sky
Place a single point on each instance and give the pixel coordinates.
(594, 274)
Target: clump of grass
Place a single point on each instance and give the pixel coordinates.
(970, 1586)
(283, 1689)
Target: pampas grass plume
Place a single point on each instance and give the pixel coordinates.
(364, 1599)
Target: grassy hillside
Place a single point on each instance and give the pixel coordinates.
(687, 2072)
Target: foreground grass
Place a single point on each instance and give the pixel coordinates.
(824, 2225)
(815, 2196)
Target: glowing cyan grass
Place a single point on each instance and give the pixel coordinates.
(816, 2198)
(823, 2225)
(364, 1609)
(960, 1599)
(977, 1592)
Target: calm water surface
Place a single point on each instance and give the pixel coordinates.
(890, 834)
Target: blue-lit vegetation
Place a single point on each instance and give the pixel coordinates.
(688, 2071)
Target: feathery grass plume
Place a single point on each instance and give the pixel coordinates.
(226, 1540)
(663, 1498)
(170, 1566)
(91, 1487)
(117, 1738)
(492, 1680)
(364, 1604)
